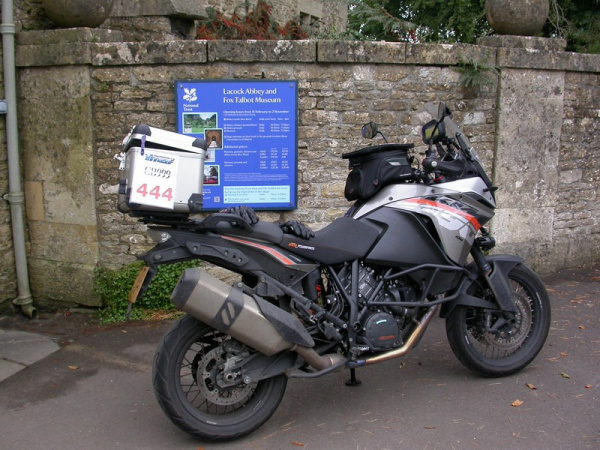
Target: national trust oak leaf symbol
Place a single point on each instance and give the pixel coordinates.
(190, 95)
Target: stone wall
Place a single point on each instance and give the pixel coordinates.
(165, 20)
(82, 90)
(577, 216)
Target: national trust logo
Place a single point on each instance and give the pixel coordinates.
(190, 95)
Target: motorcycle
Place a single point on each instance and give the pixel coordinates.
(358, 292)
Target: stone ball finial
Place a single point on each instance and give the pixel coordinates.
(517, 17)
(78, 13)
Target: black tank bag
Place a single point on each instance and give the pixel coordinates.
(371, 168)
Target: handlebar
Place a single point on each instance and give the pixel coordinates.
(455, 167)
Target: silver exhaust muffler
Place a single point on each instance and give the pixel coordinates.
(251, 320)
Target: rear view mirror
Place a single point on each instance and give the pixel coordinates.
(443, 111)
(370, 130)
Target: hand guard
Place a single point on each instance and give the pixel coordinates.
(298, 228)
(245, 212)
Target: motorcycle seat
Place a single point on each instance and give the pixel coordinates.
(344, 239)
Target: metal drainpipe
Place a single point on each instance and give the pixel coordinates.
(15, 196)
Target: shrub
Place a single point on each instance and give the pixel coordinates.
(256, 24)
(113, 287)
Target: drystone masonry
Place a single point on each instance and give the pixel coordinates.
(536, 127)
(577, 216)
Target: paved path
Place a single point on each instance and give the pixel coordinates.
(96, 393)
(19, 349)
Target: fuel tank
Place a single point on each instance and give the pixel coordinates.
(427, 224)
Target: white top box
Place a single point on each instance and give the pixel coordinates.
(146, 136)
(162, 174)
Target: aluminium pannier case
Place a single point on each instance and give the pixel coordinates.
(163, 172)
(371, 168)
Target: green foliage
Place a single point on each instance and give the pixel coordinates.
(459, 21)
(370, 20)
(419, 20)
(253, 24)
(475, 74)
(577, 21)
(113, 287)
(464, 21)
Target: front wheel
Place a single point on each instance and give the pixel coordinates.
(190, 388)
(513, 345)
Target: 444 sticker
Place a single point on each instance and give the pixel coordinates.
(155, 192)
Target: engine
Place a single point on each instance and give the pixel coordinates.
(380, 327)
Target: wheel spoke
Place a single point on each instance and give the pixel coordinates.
(508, 339)
(193, 388)
(198, 372)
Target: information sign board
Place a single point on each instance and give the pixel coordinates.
(251, 128)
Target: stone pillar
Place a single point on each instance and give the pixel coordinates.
(528, 124)
(57, 145)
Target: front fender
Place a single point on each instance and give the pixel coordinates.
(501, 266)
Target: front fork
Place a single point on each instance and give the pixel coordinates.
(496, 278)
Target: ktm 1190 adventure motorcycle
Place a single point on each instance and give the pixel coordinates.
(360, 291)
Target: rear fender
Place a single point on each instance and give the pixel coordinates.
(501, 266)
(186, 245)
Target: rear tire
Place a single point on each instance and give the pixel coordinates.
(512, 347)
(186, 366)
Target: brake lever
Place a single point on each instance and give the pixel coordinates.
(440, 150)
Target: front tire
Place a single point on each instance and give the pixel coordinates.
(185, 373)
(512, 346)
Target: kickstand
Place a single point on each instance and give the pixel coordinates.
(353, 381)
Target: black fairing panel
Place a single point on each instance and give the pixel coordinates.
(243, 255)
(266, 231)
(404, 240)
(344, 239)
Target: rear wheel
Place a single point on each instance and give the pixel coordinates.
(192, 390)
(513, 345)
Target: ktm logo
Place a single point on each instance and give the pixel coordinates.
(302, 247)
(387, 338)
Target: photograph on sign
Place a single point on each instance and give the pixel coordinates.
(251, 128)
(211, 174)
(196, 123)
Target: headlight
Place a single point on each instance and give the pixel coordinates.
(159, 236)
